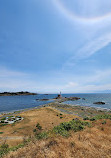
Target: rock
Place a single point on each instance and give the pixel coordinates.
(73, 98)
(99, 103)
(59, 97)
(43, 99)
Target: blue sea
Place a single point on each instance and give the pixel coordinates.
(14, 103)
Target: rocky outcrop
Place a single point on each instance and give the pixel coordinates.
(59, 97)
(99, 103)
(66, 98)
(42, 99)
(72, 98)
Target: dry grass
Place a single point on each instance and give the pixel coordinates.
(90, 143)
(47, 117)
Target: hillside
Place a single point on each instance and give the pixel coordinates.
(76, 137)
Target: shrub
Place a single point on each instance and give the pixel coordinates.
(4, 149)
(42, 135)
(97, 117)
(1, 132)
(104, 122)
(34, 130)
(38, 126)
(60, 130)
(86, 118)
(4, 146)
(92, 119)
(75, 125)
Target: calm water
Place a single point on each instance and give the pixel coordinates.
(13, 103)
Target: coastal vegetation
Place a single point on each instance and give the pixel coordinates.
(42, 133)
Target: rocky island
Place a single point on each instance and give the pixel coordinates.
(16, 93)
(99, 103)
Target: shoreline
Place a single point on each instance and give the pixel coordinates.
(7, 113)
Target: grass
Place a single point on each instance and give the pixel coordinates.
(98, 117)
(3, 124)
(4, 149)
(68, 133)
(42, 135)
(74, 125)
(62, 129)
(84, 143)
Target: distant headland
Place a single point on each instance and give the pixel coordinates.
(16, 93)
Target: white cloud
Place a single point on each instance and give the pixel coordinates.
(17, 81)
(71, 84)
(4, 72)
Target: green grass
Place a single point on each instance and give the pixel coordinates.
(42, 135)
(3, 118)
(3, 124)
(98, 117)
(4, 149)
(74, 125)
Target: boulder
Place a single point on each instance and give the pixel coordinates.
(99, 103)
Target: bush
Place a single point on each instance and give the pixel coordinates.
(86, 118)
(4, 149)
(34, 130)
(97, 117)
(92, 119)
(4, 146)
(42, 135)
(75, 125)
(38, 126)
(104, 122)
(1, 132)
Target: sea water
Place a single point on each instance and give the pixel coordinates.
(14, 103)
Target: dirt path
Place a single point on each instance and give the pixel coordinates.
(12, 138)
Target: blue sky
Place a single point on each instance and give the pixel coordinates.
(47, 46)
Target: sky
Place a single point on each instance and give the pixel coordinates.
(48, 46)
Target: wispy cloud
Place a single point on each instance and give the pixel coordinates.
(89, 49)
(11, 80)
(4, 72)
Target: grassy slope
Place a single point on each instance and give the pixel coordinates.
(91, 142)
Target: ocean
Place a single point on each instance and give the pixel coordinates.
(15, 103)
